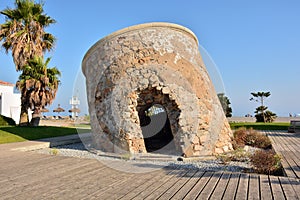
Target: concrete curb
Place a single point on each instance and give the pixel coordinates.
(49, 142)
(31, 146)
(68, 139)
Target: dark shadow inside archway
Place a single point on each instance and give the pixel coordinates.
(156, 129)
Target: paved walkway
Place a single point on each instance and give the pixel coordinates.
(29, 175)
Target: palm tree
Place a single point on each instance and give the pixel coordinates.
(38, 85)
(23, 34)
(262, 112)
(23, 31)
(259, 97)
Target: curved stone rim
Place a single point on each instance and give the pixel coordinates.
(138, 27)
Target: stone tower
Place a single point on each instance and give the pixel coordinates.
(149, 91)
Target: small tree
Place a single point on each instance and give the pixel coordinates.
(23, 33)
(38, 83)
(225, 103)
(262, 112)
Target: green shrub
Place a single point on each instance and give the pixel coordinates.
(239, 137)
(238, 154)
(266, 162)
(6, 121)
(243, 136)
(269, 117)
(256, 139)
(53, 151)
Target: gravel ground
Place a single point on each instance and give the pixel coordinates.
(79, 150)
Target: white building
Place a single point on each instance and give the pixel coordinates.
(10, 101)
(74, 102)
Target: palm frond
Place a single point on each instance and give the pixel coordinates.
(23, 31)
(39, 82)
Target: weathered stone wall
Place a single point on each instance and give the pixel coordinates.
(163, 60)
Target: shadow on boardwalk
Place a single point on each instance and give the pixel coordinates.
(29, 175)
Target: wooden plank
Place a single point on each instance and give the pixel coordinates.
(131, 182)
(282, 138)
(295, 153)
(24, 174)
(135, 191)
(265, 188)
(159, 183)
(179, 184)
(41, 166)
(295, 148)
(116, 180)
(293, 140)
(58, 184)
(27, 161)
(72, 178)
(221, 187)
(292, 160)
(288, 190)
(110, 182)
(77, 183)
(160, 191)
(295, 183)
(253, 192)
(36, 182)
(232, 186)
(287, 168)
(182, 192)
(210, 186)
(277, 191)
(197, 189)
(242, 190)
(285, 144)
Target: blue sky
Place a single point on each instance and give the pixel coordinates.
(254, 44)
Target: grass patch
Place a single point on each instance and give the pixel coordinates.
(10, 134)
(260, 125)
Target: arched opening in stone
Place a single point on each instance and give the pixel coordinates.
(158, 117)
(156, 129)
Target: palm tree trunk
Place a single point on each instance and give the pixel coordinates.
(36, 117)
(24, 121)
(263, 112)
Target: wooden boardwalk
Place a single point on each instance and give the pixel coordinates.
(29, 175)
(288, 146)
